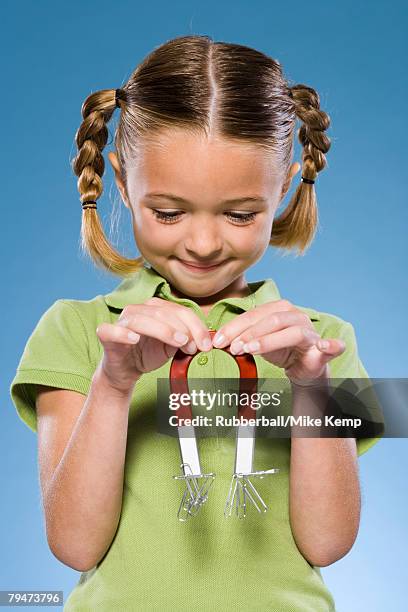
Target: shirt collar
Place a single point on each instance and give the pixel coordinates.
(147, 283)
(136, 289)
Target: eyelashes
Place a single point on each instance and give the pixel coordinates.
(171, 217)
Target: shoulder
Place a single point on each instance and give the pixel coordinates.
(83, 314)
(85, 310)
(62, 351)
(70, 323)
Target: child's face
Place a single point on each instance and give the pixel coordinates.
(203, 173)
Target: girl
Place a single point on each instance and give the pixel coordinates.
(203, 158)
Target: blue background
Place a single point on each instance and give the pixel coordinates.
(54, 54)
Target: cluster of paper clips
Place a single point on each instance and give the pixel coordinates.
(241, 489)
(194, 496)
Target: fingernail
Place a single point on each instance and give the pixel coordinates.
(218, 339)
(123, 322)
(323, 344)
(180, 337)
(309, 333)
(207, 344)
(191, 347)
(236, 346)
(133, 337)
(252, 346)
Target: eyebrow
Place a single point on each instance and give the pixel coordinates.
(178, 199)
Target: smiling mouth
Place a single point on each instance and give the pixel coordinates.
(198, 268)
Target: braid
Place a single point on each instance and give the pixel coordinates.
(89, 166)
(297, 224)
(311, 134)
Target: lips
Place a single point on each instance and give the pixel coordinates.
(200, 268)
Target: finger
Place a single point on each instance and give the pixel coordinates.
(109, 333)
(153, 309)
(233, 329)
(149, 326)
(269, 324)
(331, 346)
(334, 348)
(295, 336)
(194, 326)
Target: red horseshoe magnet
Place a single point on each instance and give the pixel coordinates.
(179, 382)
(241, 487)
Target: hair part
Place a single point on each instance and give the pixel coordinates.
(204, 87)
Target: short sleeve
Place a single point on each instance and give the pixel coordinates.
(349, 365)
(57, 355)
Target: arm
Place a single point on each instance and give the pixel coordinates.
(324, 498)
(82, 445)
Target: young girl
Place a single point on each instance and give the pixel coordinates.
(203, 158)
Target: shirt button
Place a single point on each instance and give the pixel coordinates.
(210, 325)
(202, 360)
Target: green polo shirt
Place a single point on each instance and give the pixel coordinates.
(209, 562)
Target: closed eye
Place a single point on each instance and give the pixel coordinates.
(171, 217)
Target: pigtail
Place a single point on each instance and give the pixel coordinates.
(296, 226)
(89, 166)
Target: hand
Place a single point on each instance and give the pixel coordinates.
(153, 324)
(286, 338)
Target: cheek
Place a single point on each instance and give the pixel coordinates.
(154, 235)
(254, 238)
(264, 229)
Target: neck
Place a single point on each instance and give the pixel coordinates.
(238, 288)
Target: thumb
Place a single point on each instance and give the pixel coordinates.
(331, 346)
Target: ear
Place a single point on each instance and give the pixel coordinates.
(294, 169)
(113, 158)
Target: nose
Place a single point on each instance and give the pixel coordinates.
(204, 240)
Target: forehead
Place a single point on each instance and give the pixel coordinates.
(183, 163)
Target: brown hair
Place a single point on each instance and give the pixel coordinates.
(194, 83)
